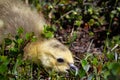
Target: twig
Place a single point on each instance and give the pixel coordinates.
(89, 46)
(114, 47)
(65, 15)
(72, 32)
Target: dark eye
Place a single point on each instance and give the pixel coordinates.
(60, 60)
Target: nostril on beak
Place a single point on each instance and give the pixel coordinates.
(74, 68)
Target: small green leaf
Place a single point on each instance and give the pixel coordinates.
(115, 68)
(91, 22)
(48, 31)
(85, 65)
(82, 72)
(94, 61)
(77, 23)
(20, 41)
(90, 10)
(29, 35)
(8, 41)
(3, 64)
(20, 30)
(49, 35)
(118, 8)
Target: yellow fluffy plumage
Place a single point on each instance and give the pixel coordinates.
(49, 52)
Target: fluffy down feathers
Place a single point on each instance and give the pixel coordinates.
(49, 52)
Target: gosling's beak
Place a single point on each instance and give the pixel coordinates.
(73, 68)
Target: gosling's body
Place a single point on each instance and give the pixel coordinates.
(14, 14)
(50, 52)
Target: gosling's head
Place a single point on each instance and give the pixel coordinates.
(52, 54)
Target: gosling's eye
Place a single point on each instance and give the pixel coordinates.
(60, 60)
